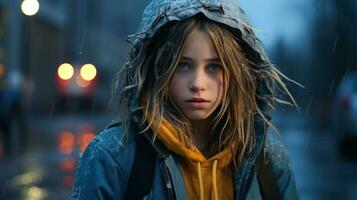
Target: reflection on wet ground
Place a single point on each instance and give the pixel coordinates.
(38, 176)
(46, 170)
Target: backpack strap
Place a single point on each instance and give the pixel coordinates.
(142, 173)
(267, 181)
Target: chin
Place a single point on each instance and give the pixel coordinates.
(197, 116)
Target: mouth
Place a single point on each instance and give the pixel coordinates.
(198, 103)
(197, 100)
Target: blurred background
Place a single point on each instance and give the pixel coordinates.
(58, 59)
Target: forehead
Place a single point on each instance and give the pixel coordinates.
(198, 45)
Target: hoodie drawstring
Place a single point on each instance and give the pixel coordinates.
(200, 179)
(214, 180)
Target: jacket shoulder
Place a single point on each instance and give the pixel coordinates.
(278, 156)
(104, 168)
(114, 138)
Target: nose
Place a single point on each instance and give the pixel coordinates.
(197, 82)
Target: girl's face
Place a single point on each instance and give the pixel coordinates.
(197, 84)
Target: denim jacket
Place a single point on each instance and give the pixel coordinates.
(105, 166)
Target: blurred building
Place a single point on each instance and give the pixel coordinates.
(66, 31)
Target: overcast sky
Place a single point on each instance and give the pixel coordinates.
(289, 19)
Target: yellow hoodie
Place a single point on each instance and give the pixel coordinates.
(204, 178)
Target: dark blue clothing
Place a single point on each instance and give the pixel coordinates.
(105, 167)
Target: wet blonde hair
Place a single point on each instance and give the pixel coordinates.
(150, 67)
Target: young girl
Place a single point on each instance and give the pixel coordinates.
(194, 96)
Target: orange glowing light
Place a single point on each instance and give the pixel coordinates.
(81, 82)
(67, 180)
(2, 70)
(68, 165)
(84, 140)
(66, 142)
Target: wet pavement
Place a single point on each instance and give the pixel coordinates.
(46, 169)
(38, 176)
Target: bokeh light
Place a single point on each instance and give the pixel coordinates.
(2, 70)
(84, 140)
(30, 7)
(88, 72)
(65, 71)
(66, 142)
(68, 165)
(68, 181)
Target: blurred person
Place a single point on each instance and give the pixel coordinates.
(12, 119)
(194, 98)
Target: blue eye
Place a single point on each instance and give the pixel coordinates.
(183, 67)
(214, 67)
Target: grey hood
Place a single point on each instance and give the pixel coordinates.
(228, 12)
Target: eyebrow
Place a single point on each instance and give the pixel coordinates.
(216, 59)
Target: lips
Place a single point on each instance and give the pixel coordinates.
(198, 103)
(198, 100)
